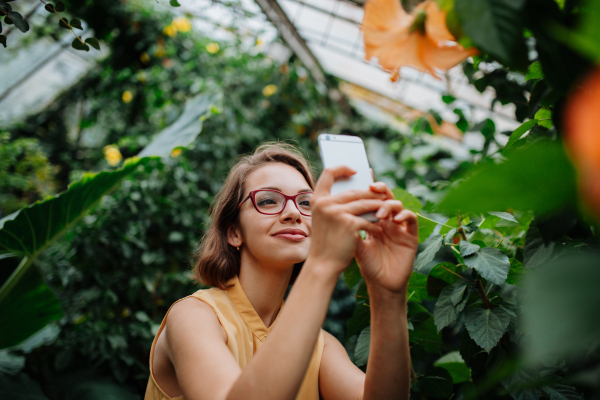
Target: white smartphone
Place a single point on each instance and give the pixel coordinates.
(349, 151)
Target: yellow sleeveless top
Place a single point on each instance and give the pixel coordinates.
(245, 331)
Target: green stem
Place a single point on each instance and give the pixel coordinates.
(432, 220)
(14, 278)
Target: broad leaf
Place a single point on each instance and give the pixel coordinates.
(515, 273)
(444, 312)
(467, 248)
(76, 23)
(536, 251)
(437, 383)
(509, 184)
(417, 287)
(77, 45)
(19, 22)
(409, 201)
(491, 263)
(446, 271)
(426, 228)
(562, 392)
(93, 42)
(495, 27)
(60, 6)
(359, 320)
(520, 131)
(433, 244)
(455, 365)
(426, 335)
(560, 309)
(361, 353)
(504, 215)
(534, 71)
(184, 130)
(486, 327)
(352, 274)
(27, 309)
(458, 292)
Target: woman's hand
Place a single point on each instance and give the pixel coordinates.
(386, 258)
(335, 220)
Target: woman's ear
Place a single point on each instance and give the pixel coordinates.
(234, 236)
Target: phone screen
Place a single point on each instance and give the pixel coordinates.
(349, 151)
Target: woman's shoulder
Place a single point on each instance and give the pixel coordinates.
(190, 313)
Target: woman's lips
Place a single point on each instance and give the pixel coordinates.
(291, 236)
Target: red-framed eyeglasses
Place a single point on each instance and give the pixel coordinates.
(272, 202)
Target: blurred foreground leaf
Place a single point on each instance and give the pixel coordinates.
(560, 309)
(511, 184)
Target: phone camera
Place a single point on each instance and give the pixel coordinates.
(327, 137)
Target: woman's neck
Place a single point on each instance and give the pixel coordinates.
(264, 288)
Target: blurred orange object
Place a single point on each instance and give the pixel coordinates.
(582, 137)
(420, 39)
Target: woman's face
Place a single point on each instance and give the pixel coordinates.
(259, 232)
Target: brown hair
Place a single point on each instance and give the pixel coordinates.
(216, 261)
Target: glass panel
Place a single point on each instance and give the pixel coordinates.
(269, 202)
(303, 202)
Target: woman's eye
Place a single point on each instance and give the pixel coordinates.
(266, 201)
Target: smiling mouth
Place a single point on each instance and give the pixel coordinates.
(291, 236)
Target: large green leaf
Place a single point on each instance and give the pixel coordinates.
(560, 309)
(444, 312)
(509, 184)
(352, 274)
(433, 244)
(20, 387)
(491, 263)
(359, 320)
(29, 307)
(486, 327)
(562, 392)
(184, 130)
(467, 248)
(495, 26)
(437, 383)
(409, 201)
(417, 287)
(361, 353)
(455, 365)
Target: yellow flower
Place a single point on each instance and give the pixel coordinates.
(176, 152)
(182, 24)
(269, 90)
(170, 31)
(212, 48)
(112, 154)
(258, 42)
(160, 50)
(145, 58)
(420, 40)
(127, 96)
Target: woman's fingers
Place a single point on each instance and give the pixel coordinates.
(361, 206)
(412, 222)
(328, 176)
(357, 194)
(389, 207)
(382, 187)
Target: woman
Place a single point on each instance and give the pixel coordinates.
(272, 227)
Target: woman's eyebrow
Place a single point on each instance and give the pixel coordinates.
(276, 188)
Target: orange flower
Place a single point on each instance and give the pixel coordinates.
(420, 39)
(582, 137)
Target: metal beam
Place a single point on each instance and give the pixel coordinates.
(288, 32)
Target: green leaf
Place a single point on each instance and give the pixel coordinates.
(63, 24)
(20, 387)
(433, 244)
(515, 273)
(3, 40)
(352, 274)
(174, 3)
(562, 392)
(544, 118)
(448, 98)
(361, 353)
(76, 23)
(536, 251)
(409, 201)
(585, 38)
(455, 365)
(495, 26)
(458, 292)
(8, 20)
(437, 383)
(49, 7)
(60, 6)
(444, 271)
(486, 327)
(519, 379)
(467, 248)
(184, 130)
(491, 263)
(359, 320)
(426, 228)
(19, 22)
(560, 308)
(508, 184)
(504, 215)
(520, 131)
(417, 287)
(425, 334)
(468, 348)
(534, 71)
(77, 45)
(27, 309)
(5, 7)
(444, 312)
(93, 42)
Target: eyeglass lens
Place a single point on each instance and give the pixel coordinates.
(272, 202)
